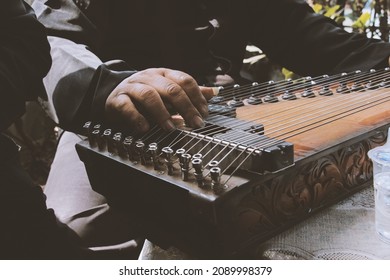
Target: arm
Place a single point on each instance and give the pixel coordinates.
(79, 88)
(30, 230)
(24, 60)
(310, 44)
(85, 88)
(88, 89)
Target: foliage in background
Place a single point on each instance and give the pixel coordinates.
(335, 9)
(334, 12)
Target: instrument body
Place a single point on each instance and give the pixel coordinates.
(253, 202)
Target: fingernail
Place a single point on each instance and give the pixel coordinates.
(142, 126)
(204, 111)
(215, 90)
(197, 122)
(168, 125)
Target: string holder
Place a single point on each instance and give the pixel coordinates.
(153, 152)
(236, 102)
(140, 152)
(270, 97)
(308, 91)
(288, 93)
(184, 163)
(93, 135)
(343, 88)
(96, 139)
(215, 174)
(185, 166)
(371, 84)
(197, 164)
(385, 83)
(116, 143)
(325, 90)
(168, 155)
(357, 84)
(105, 140)
(128, 146)
(253, 98)
(87, 128)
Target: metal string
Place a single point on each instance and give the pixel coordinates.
(264, 89)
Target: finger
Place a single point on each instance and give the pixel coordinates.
(120, 109)
(174, 94)
(190, 87)
(208, 93)
(150, 101)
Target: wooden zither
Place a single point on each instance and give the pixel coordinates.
(270, 155)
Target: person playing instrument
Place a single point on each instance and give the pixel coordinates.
(96, 45)
(29, 229)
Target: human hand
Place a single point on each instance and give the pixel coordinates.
(146, 96)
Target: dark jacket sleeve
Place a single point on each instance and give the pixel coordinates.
(29, 230)
(311, 44)
(24, 59)
(288, 31)
(78, 82)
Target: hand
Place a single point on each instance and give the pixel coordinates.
(146, 95)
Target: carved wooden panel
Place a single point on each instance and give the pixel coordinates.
(290, 197)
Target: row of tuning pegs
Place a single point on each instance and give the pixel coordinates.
(150, 154)
(345, 83)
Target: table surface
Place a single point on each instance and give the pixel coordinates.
(344, 231)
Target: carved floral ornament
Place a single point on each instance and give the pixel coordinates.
(290, 197)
